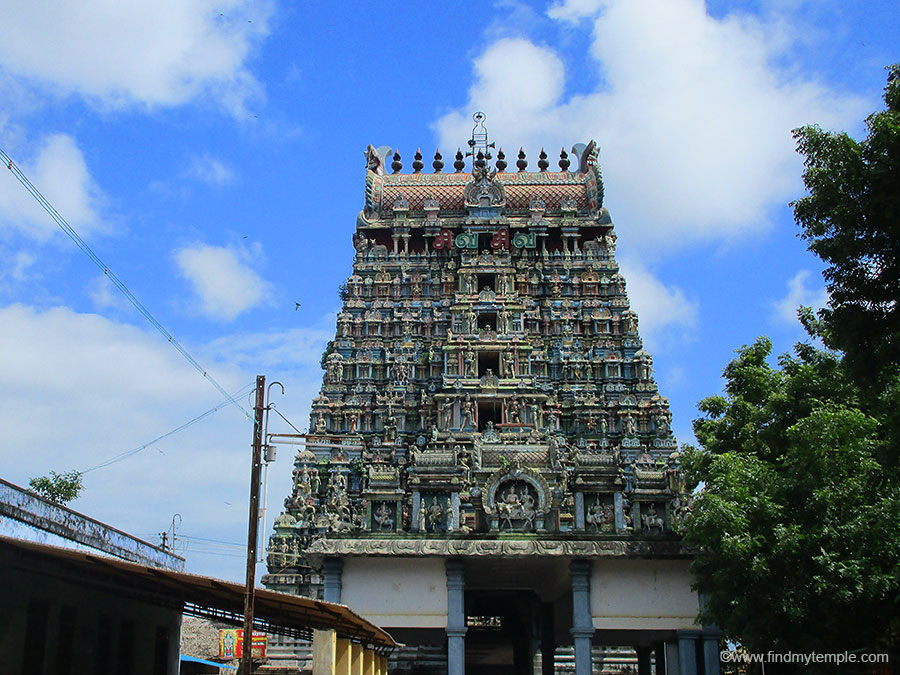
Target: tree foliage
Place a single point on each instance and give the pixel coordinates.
(797, 519)
(58, 487)
(797, 522)
(851, 220)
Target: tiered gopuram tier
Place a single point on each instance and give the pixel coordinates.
(487, 391)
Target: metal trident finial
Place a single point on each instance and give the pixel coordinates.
(479, 141)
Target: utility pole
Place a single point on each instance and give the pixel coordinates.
(253, 526)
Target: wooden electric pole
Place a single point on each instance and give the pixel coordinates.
(253, 526)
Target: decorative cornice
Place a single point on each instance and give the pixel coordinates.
(510, 548)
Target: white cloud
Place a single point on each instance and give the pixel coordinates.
(222, 280)
(799, 293)
(662, 310)
(574, 10)
(137, 52)
(60, 173)
(211, 170)
(17, 266)
(104, 295)
(693, 115)
(78, 389)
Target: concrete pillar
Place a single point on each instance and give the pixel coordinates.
(324, 653)
(343, 655)
(456, 617)
(672, 666)
(582, 624)
(687, 654)
(356, 658)
(331, 576)
(453, 520)
(643, 660)
(710, 655)
(579, 511)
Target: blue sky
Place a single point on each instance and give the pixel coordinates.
(211, 153)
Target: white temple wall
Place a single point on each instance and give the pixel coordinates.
(642, 594)
(391, 592)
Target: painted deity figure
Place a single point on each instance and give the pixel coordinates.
(447, 413)
(468, 413)
(513, 411)
(509, 367)
(652, 520)
(384, 517)
(470, 364)
(435, 514)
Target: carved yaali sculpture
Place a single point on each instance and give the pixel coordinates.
(487, 378)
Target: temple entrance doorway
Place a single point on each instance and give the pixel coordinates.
(501, 632)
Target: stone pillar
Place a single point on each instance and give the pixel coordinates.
(619, 506)
(710, 655)
(331, 576)
(582, 624)
(687, 654)
(643, 660)
(453, 520)
(456, 617)
(709, 641)
(579, 511)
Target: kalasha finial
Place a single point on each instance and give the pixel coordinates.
(438, 162)
(396, 165)
(543, 164)
(501, 161)
(564, 160)
(479, 160)
(418, 165)
(521, 163)
(460, 163)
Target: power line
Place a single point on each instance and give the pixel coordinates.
(190, 538)
(272, 406)
(74, 236)
(129, 453)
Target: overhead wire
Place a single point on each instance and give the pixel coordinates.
(134, 451)
(285, 419)
(215, 547)
(74, 236)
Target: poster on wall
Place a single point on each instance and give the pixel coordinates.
(231, 643)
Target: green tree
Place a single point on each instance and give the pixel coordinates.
(797, 519)
(851, 220)
(797, 523)
(58, 487)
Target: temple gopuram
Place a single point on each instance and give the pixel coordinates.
(490, 473)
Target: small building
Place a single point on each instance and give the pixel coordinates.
(66, 611)
(105, 602)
